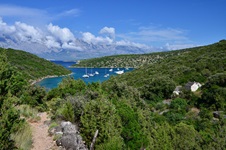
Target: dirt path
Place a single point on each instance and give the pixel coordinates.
(40, 137)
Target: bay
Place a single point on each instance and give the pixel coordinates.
(77, 73)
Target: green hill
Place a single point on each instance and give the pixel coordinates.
(193, 64)
(31, 66)
(131, 60)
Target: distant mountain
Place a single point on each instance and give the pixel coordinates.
(33, 67)
(85, 50)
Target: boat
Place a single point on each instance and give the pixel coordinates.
(85, 75)
(106, 75)
(111, 70)
(91, 74)
(119, 72)
(96, 72)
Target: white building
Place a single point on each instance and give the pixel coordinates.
(193, 86)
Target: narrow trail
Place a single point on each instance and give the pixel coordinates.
(40, 136)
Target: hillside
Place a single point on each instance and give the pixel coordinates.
(130, 60)
(194, 64)
(33, 67)
(138, 110)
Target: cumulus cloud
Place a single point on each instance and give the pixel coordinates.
(6, 29)
(55, 38)
(51, 42)
(90, 38)
(109, 31)
(62, 34)
(26, 32)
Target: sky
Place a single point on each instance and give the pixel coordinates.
(54, 25)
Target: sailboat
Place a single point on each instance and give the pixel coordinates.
(91, 74)
(85, 75)
(119, 72)
(106, 74)
(111, 70)
(96, 72)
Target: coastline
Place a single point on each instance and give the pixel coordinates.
(49, 76)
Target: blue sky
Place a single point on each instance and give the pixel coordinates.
(167, 24)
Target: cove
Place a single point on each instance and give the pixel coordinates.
(77, 73)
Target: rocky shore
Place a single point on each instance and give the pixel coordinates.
(49, 76)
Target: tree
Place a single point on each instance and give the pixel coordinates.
(100, 115)
(159, 88)
(10, 86)
(214, 92)
(186, 137)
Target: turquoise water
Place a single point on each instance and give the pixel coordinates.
(77, 73)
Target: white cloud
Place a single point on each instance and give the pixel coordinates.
(71, 12)
(62, 34)
(90, 38)
(35, 16)
(54, 38)
(26, 32)
(72, 46)
(156, 35)
(109, 31)
(6, 29)
(11, 10)
(178, 46)
(50, 42)
(129, 43)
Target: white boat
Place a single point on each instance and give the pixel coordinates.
(91, 74)
(106, 75)
(127, 68)
(111, 70)
(96, 72)
(119, 72)
(85, 75)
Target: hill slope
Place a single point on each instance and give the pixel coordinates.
(33, 67)
(194, 64)
(130, 60)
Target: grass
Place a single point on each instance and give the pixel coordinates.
(23, 137)
(29, 113)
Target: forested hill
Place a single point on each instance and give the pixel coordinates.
(33, 67)
(130, 60)
(194, 64)
(138, 60)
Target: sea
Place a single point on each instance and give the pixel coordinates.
(77, 73)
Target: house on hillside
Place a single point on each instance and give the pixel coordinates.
(193, 86)
(177, 90)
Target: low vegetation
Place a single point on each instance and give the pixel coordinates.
(33, 67)
(128, 110)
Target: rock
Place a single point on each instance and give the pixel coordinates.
(71, 140)
(64, 123)
(70, 129)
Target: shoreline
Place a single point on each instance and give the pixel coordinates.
(49, 76)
